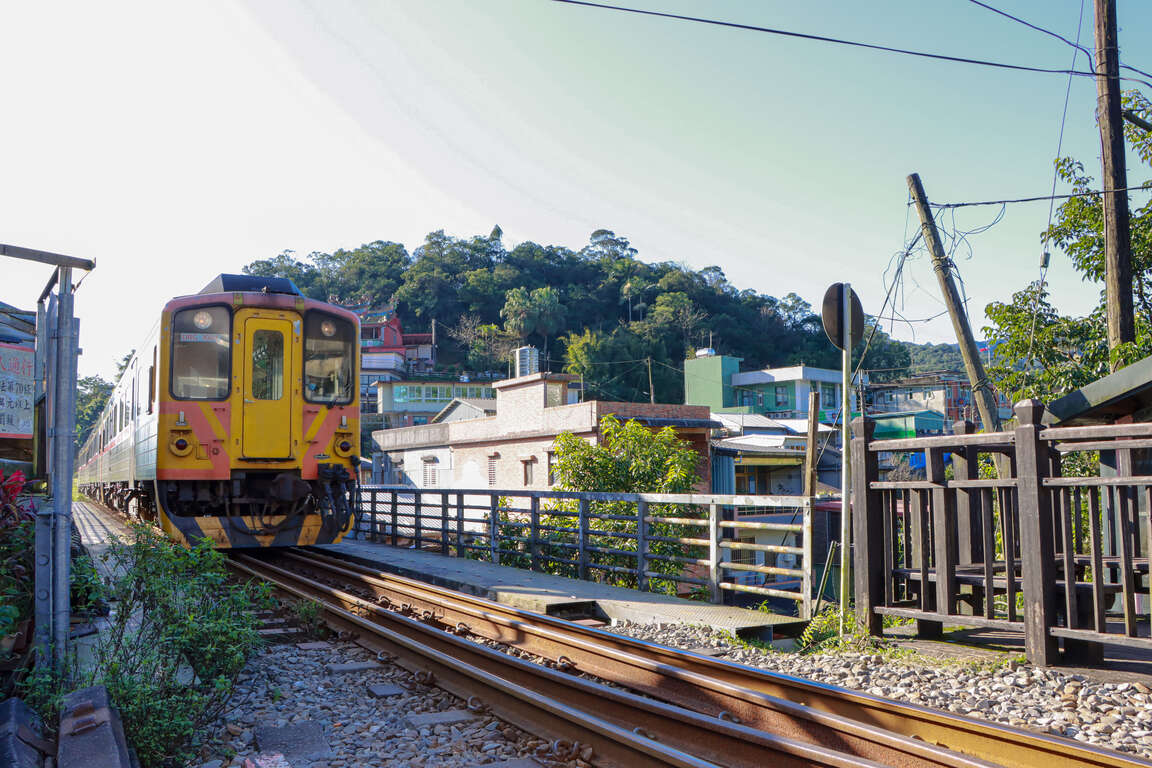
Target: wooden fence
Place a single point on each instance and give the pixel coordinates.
(1027, 550)
(647, 541)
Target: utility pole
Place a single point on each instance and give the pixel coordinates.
(981, 391)
(1117, 225)
(651, 391)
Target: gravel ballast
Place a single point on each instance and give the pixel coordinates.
(283, 685)
(1113, 715)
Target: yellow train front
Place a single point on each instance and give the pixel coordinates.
(243, 419)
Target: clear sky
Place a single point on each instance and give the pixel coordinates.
(174, 142)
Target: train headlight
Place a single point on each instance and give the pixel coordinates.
(328, 328)
(342, 446)
(202, 320)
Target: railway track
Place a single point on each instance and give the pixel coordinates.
(700, 708)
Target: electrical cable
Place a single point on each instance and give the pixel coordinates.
(837, 41)
(1052, 203)
(1147, 186)
(1059, 37)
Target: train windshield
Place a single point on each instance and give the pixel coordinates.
(201, 354)
(329, 358)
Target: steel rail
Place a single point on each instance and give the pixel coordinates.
(601, 653)
(666, 682)
(626, 730)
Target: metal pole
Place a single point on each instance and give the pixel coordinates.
(845, 455)
(42, 603)
(64, 419)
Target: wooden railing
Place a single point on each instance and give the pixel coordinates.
(1025, 549)
(646, 541)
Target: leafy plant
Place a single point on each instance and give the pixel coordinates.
(309, 617)
(17, 536)
(172, 650)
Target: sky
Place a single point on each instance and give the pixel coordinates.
(171, 143)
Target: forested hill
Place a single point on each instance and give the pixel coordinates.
(599, 311)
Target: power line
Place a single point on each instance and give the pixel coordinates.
(834, 40)
(1147, 186)
(1059, 37)
(1055, 175)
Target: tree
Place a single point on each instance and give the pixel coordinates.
(519, 313)
(549, 313)
(91, 395)
(629, 458)
(1043, 353)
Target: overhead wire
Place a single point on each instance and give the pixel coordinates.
(1052, 203)
(1145, 187)
(836, 40)
(1059, 37)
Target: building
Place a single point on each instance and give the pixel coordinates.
(513, 448)
(754, 454)
(946, 393)
(387, 353)
(779, 393)
(417, 400)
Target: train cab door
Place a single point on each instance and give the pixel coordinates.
(267, 389)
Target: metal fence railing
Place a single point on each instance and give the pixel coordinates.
(656, 542)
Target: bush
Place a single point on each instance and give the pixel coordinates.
(17, 537)
(179, 636)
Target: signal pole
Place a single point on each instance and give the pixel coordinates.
(1117, 225)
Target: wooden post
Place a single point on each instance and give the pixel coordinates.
(943, 534)
(981, 390)
(1117, 227)
(1036, 548)
(807, 566)
(714, 553)
(869, 524)
(966, 466)
(582, 540)
(641, 545)
(811, 453)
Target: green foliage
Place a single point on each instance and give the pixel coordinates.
(492, 298)
(169, 657)
(91, 395)
(17, 536)
(1043, 353)
(309, 617)
(630, 458)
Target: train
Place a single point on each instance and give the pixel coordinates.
(237, 419)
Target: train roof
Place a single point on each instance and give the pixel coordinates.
(251, 284)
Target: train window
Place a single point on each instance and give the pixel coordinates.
(329, 359)
(152, 381)
(267, 365)
(201, 354)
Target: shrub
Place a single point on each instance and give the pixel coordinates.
(180, 634)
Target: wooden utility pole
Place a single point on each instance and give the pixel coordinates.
(651, 391)
(811, 451)
(981, 391)
(1117, 226)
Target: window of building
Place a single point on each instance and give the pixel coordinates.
(430, 467)
(759, 399)
(828, 395)
(528, 474)
(553, 476)
(745, 556)
(781, 396)
(492, 471)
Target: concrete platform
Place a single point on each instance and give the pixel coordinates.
(562, 597)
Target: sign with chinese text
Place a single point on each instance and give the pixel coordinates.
(16, 391)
